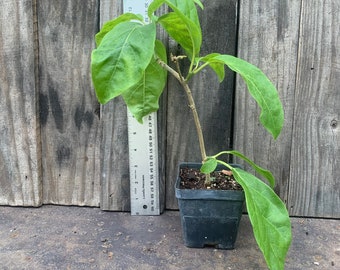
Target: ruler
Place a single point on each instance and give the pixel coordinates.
(143, 147)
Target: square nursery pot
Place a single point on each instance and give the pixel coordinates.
(209, 217)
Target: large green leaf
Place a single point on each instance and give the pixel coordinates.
(261, 89)
(182, 24)
(108, 26)
(142, 98)
(183, 31)
(154, 5)
(121, 58)
(267, 174)
(269, 218)
(218, 67)
(188, 8)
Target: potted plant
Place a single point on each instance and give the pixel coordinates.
(131, 62)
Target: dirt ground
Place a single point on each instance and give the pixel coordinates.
(59, 237)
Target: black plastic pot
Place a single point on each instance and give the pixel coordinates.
(209, 217)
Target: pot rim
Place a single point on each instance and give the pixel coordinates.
(195, 194)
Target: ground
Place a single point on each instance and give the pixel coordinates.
(59, 237)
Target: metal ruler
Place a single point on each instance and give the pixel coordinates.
(143, 147)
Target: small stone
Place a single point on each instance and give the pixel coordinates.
(110, 255)
(227, 172)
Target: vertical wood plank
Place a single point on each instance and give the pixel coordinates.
(69, 111)
(268, 38)
(162, 122)
(315, 172)
(115, 185)
(115, 177)
(214, 100)
(20, 182)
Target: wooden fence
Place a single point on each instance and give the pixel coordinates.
(58, 146)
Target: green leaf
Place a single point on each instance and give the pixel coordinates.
(187, 7)
(154, 5)
(265, 173)
(218, 67)
(160, 51)
(183, 31)
(199, 3)
(121, 58)
(142, 98)
(261, 89)
(182, 24)
(108, 26)
(209, 165)
(269, 218)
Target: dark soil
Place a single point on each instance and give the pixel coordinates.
(194, 179)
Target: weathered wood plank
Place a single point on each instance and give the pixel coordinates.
(314, 188)
(115, 185)
(268, 38)
(214, 101)
(20, 182)
(69, 111)
(115, 178)
(162, 126)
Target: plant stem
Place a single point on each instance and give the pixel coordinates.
(192, 106)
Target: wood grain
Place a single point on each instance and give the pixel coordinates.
(268, 38)
(295, 43)
(57, 145)
(115, 185)
(314, 188)
(214, 100)
(69, 111)
(20, 182)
